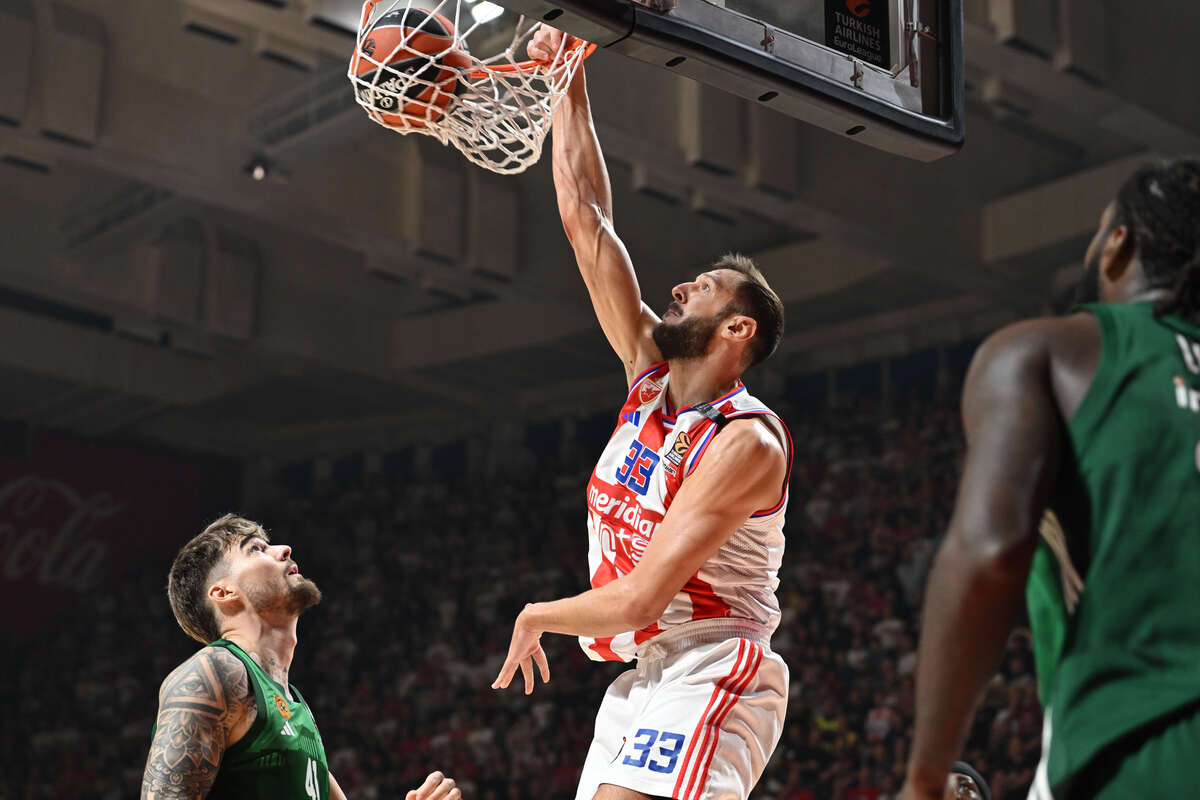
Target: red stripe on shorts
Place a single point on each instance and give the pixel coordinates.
(734, 694)
(687, 759)
(721, 695)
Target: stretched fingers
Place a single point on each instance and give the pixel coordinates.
(506, 674)
(539, 657)
(527, 671)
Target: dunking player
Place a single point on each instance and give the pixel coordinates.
(685, 514)
(1097, 415)
(229, 723)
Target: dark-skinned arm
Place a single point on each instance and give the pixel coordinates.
(200, 705)
(977, 586)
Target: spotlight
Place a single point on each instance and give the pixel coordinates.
(258, 168)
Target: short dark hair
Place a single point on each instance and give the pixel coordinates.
(755, 298)
(963, 768)
(194, 570)
(1160, 204)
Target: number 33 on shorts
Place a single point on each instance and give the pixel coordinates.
(665, 756)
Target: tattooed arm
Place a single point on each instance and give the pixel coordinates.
(204, 706)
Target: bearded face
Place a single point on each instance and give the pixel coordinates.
(287, 594)
(687, 338)
(270, 580)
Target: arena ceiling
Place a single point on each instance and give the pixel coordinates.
(376, 288)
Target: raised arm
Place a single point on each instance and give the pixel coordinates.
(585, 205)
(203, 706)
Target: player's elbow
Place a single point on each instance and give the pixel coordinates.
(579, 219)
(642, 607)
(642, 617)
(995, 558)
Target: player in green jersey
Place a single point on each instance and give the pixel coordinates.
(229, 723)
(1096, 416)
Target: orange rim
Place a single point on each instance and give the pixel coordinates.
(529, 66)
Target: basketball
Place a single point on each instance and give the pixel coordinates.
(418, 58)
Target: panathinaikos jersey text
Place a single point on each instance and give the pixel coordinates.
(1128, 498)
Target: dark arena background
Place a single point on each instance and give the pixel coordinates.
(222, 288)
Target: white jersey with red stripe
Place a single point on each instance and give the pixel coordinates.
(649, 456)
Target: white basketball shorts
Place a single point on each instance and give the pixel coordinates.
(693, 721)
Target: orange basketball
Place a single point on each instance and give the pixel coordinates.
(420, 45)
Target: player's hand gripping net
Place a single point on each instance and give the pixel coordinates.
(413, 72)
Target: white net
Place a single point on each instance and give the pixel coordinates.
(413, 72)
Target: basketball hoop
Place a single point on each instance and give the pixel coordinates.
(412, 72)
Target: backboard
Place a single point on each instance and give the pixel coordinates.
(888, 73)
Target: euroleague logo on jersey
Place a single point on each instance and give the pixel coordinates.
(678, 450)
(649, 391)
(859, 8)
(284, 710)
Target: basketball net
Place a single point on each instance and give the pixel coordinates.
(496, 111)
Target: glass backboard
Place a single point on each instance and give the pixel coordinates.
(888, 73)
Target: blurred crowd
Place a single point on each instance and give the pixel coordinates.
(423, 575)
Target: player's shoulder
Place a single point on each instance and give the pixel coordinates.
(1042, 332)
(748, 442)
(213, 672)
(1035, 340)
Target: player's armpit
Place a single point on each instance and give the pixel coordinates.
(743, 471)
(200, 704)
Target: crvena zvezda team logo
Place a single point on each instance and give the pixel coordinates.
(649, 391)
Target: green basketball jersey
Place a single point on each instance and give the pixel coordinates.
(281, 756)
(1129, 501)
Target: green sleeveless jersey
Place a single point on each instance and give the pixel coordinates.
(1128, 498)
(281, 756)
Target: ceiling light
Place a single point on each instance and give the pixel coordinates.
(258, 168)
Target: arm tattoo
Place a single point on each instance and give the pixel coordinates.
(199, 703)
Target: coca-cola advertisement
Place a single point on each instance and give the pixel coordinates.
(76, 515)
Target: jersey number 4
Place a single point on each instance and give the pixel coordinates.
(312, 784)
(638, 467)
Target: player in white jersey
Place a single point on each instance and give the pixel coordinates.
(685, 514)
